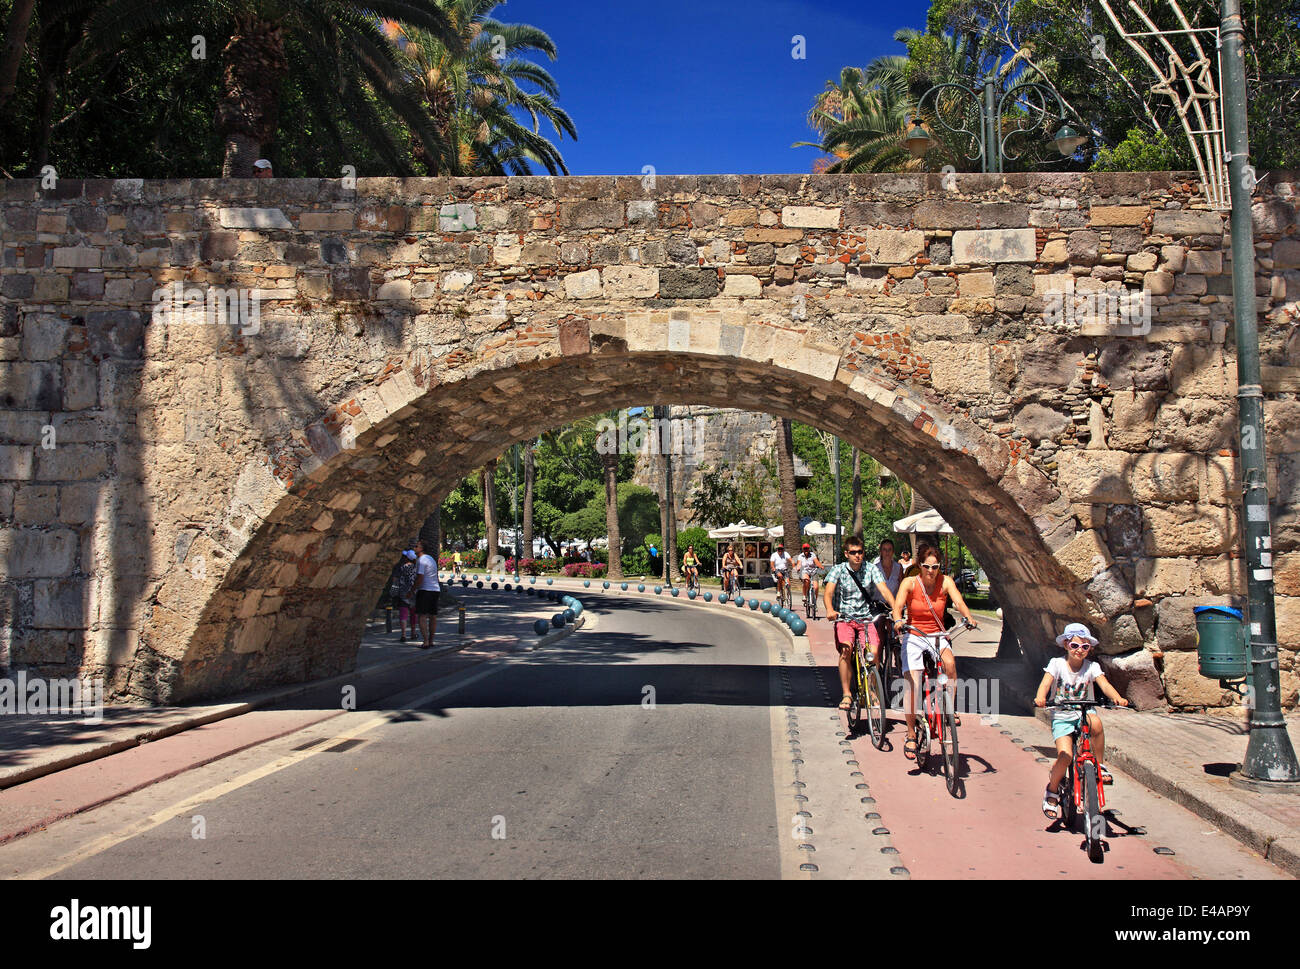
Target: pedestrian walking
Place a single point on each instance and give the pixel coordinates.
(426, 594)
(401, 591)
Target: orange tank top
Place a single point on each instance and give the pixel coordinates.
(919, 614)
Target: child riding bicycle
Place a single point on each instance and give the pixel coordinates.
(1074, 674)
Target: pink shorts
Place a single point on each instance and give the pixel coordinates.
(403, 613)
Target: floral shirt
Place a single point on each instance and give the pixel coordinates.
(849, 600)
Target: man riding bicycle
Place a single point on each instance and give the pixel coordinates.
(691, 566)
(781, 566)
(807, 565)
(846, 584)
(731, 565)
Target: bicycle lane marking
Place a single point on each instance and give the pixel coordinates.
(997, 830)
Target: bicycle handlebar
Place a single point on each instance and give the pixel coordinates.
(949, 634)
(1081, 704)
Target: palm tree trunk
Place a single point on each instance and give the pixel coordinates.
(785, 471)
(857, 493)
(610, 462)
(249, 109)
(15, 40)
(487, 485)
(530, 476)
(431, 533)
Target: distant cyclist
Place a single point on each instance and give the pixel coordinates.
(781, 566)
(807, 565)
(731, 565)
(455, 563)
(691, 566)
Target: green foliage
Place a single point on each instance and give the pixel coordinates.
(722, 496)
(1143, 150)
(705, 548)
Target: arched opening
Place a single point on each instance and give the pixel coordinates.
(291, 604)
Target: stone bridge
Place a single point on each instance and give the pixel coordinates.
(193, 506)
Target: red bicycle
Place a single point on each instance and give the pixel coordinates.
(936, 719)
(1082, 788)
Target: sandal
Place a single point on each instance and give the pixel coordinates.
(1105, 775)
(846, 702)
(909, 748)
(1051, 805)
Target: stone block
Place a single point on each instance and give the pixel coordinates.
(1206, 262)
(460, 217)
(741, 285)
(456, 282)
(1134, 675)
(326, 221)
(1286, 254)
(1184, 685)
(253, 219)
(583, 285)
(543, 254)
(38, 552)
(1132, 419)
(1158, 283)
(984, 246)
(630, 282)
(1142, 262)
(596, 214)
(1108, 215)
(44, 336)
(1085, 555)
(779, 237)
(1175, 222)
(59, 604)
(1166, 477)
(960, 367)
(1096, 476)
(1190, 529)
(1110, 592)
(941, 214)
(76, 257)
(893, 247)
(1054, 252)
(810, 217)
(688, 283)
(643, 212)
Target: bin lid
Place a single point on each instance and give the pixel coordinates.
(1226, 610)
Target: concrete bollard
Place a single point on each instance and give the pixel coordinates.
(460, 618)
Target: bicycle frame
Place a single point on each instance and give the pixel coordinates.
(1082, 737)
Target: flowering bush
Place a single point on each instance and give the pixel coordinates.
(585, 570)
(531, 566)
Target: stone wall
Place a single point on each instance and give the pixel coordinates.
(192, 509)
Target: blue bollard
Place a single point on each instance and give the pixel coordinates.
(541, 626)
(675, 591)
(753, 603)
(478, 584)
(722, 598)
(798, 626)
(659, 590)
(605, 585)
(557, 620)
(586, 583)
(569, 615)
(623, 587)
(765, 606)
(550, 582)
(533, 580)
(691, 593)
(640, 588)
(708, 597)
(494, 585)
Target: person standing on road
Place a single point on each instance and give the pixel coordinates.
(402, 592)
(886, 577)
(426, 594)
(846, 582)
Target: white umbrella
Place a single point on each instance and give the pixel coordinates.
(819, 528)
(928, 522)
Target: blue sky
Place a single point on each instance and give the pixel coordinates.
(702, 87)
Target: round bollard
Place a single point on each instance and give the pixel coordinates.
(740, 601)
(798, 626)
(674, 592)
(541, 626)
(605, 585)
(586, 583)
(550, 582)
(557, 620)
(569, 615)
(765, 606)
(519, 590)
(659, 590)
(478, 584)
(533, 580)
(722, 598)
(753, 603)
(691, 593)
(507, 587)
(577, 608)
(623, 586)
(494, 585)
(640, 588)
(708, 597)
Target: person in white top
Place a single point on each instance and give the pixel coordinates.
(781, 565)
(426, 594)
(807, 565)
(1074, 677)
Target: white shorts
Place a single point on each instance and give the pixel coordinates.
(914, 647)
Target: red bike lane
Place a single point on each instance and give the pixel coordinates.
(997, 830)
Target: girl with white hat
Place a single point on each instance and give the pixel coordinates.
(1074, 674)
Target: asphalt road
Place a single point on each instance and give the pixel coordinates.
(640, 748)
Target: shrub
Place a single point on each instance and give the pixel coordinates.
(585, 570)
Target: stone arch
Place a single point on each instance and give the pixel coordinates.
(289, 602)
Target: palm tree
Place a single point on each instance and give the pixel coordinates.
(857, 493)
(785, 473)
(530, 478)
(471, 88)
(610, 463)
(15, 40)
(863, 119)
(339, 53)
(487, 486)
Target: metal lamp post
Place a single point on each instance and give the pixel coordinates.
(514, 500)
(1270, 762)
(990, 105)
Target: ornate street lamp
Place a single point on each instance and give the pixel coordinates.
(1039, 105)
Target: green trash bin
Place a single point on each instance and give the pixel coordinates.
(1221, 642)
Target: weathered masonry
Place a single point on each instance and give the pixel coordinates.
(194, 505)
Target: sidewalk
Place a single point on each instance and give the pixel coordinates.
(32, 746)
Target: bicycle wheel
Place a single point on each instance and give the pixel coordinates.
(1065, 794)
(949, 744)
(1094, 822)
(876, 705)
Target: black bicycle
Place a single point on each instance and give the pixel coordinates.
(810, 597)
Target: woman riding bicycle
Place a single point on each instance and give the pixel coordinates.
(691, 566)
(926, 596)
(731, 565)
